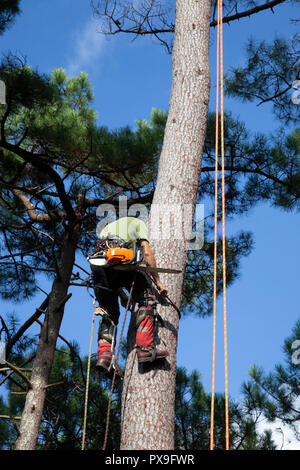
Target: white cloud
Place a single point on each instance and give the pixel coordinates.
(88, 46)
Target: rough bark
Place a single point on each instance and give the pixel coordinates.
(149, 390)
(33, 409)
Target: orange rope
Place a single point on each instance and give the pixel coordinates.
(220, 79)
(212, 411)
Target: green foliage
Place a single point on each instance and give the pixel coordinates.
(53, 119)
(8, 11)
(16, 285)
(62, 420)
(52, 112)
(268, 75)
(5, 425)
(193, 417)
(198, 286)
(25, 88)
(285, 155)
(259, 167)
(276, 395)
(130, 157)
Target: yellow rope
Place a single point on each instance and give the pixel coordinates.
(223, 232)
(212, 411)
(96, 312)
(220, 79)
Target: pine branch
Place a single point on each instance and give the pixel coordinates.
(4, 328)
(26, 252)
(8, 376)
(138, 30)
(250, 12)
(95, 202)
(34, 268)
(34, 216)
(73, 351)
(27, 324)
(248, 170)
(19, 372)
(46, 169)
(277, 95)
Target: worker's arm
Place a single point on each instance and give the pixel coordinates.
(150, 260)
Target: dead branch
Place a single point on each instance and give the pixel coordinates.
(53, 385)
(151, 18)
(250, 12)
(19, 372)
(27, 324)
(8, 376)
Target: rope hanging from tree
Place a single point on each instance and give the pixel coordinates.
(96, 312)
(221, 86)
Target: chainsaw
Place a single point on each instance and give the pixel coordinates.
(122, 256)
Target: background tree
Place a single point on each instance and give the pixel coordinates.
(182, 150)
(268, 76)
(192, 419)
(276, 394)
(45, 208)
(62, 419)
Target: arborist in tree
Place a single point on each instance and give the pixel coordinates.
(124, 244)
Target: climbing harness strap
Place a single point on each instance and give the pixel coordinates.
(219, 83)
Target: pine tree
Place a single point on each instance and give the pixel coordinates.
(182, 152)
(62, 418)
(192, 419)
(52, 156)
(276, 394)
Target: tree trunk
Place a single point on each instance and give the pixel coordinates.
(33, 409)
(149, 390)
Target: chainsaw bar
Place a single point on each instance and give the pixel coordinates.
(145, 269)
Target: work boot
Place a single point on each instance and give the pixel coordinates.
(104, 363)
(105, 358)
(150, 355)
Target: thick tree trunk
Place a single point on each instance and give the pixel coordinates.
(149, 390)
(33, 409)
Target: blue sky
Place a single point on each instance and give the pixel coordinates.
(129, 79)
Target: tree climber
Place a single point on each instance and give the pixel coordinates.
(108, 284)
